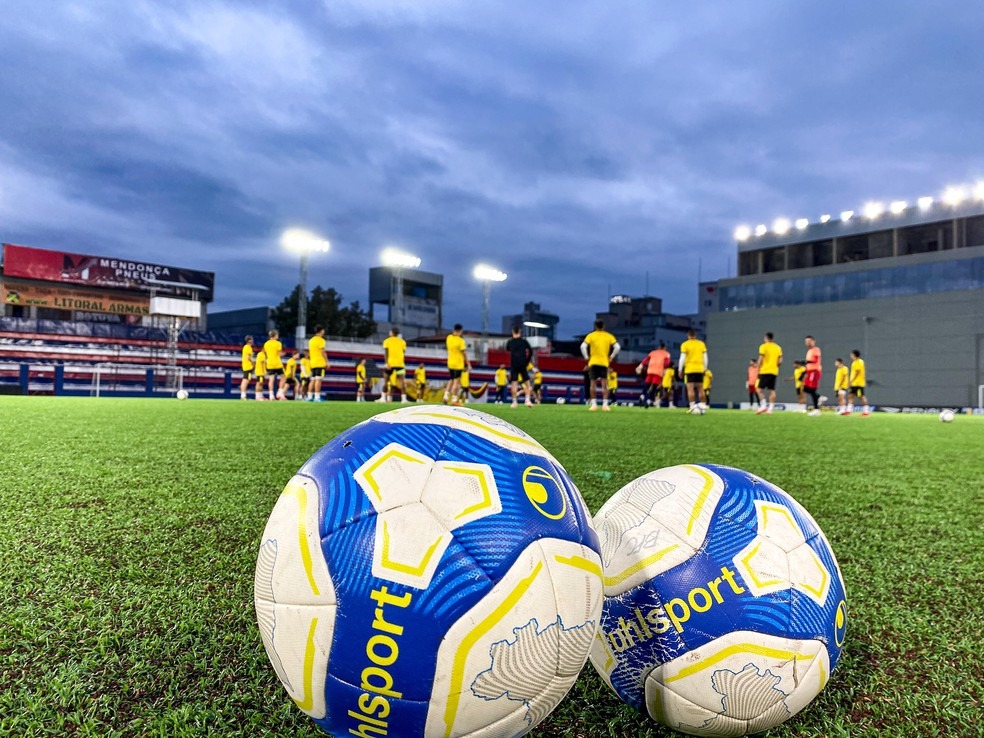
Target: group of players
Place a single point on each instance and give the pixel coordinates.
(303, 372)
(849, 383)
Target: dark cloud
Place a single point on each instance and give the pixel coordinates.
(578, 146)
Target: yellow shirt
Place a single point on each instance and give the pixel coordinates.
(798, 373)
(360, 374)
(857, 373)
(395, 348)
(770, 353)
(316, 347)
(465, 379)
(599, 347)
(247, 357)
(500, 377)
(291, 367)
(612, 381)
(305, 368)
(420, 375)
(840, 379)
(456, 351)
(708, 379)
(273, 349)
(538, 377)
(261, 364)
(668, 377)
(694, 349)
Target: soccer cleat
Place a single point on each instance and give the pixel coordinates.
(814, 413)
(846, 412)
(822, 399)
(592, 408)
(762, 409)
(528, 404)
(514, 405)
(605, 408)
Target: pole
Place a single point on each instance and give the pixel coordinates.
(301, 331)
(397, 319)
(486, 294)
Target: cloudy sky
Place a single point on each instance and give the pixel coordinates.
(575, 145)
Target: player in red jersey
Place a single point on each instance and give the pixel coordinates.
(814, 370)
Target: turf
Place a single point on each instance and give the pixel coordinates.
(129, 531)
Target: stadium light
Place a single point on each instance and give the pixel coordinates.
(802, 223)
(847, 215)
(487, 275)
(825, 218)
(742, 233)
(873, 209)
(924, 203)
(898, 207)
(780, 226)
(304, 243)
(760, 229)
(954, 196)
(398, 261)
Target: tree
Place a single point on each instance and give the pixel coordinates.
(324, 307)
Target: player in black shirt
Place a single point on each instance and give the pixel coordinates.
(520, 354)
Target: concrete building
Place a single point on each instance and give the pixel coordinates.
(639, 324)
(538, 322)
(904, 285)
(413, 300)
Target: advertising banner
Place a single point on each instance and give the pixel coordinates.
(71, 298)
(103, 271)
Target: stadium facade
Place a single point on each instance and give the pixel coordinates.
(413, 300)
(903, 285)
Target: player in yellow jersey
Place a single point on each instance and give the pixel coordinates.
(420, 377)
(360, 381)
(458, 362)
(667, 387)
(501, 381)
(290, 374)
(260, 370)
(693, 364)
(305, 372)
(799, 371)
(599, 348)
(319, 363)
(394, 349)
(537, 385)
(465, 381)
(858, 381)
(769, 361)
(708, 383)
(247, 365)
(841, 385)
(612, 385)
(274, 364)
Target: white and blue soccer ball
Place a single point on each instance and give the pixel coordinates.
(725, 611)
(182, 394)
(947, 416)
(432, 571)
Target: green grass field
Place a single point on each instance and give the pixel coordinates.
(129, 531)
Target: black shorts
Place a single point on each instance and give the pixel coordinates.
(767, 381)
(857, 391)
(291, 380)
(455, 373)
(598, 372)
(248, 375)
(518, 374)
(317, 371)
(695, 378)
(275, 372)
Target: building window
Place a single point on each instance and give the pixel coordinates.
(814, 254)
(853, 248)
(748, 263)
(774, 260)
(925, 239)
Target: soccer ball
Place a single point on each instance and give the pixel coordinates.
(725, 610)
(698, 409)
(947, 416)
(182, 394)
(432, 571)
(561, 401)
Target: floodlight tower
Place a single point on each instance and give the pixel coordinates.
(304, 243)
(398, 261)
(487, 275)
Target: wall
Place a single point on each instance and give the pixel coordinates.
(923, 350)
